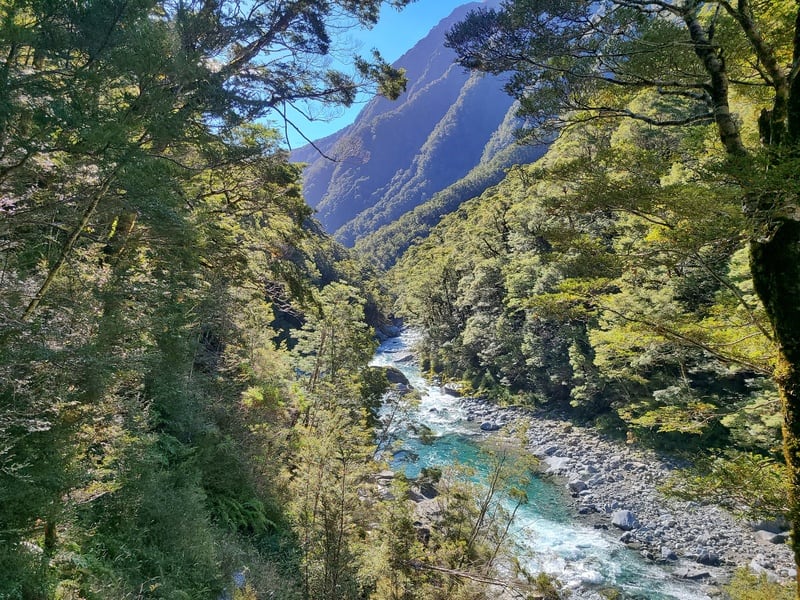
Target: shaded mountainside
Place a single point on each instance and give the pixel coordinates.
(387, 244)
(397, 156)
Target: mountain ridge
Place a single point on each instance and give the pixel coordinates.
(397, 155)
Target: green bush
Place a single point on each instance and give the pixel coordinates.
(546, 585)
(747, 585)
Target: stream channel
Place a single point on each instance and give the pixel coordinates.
(545, 532)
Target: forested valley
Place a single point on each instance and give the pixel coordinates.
(186, 406)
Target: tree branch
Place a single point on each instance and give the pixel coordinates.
(674, 335)
(70, 243)
(514, 589)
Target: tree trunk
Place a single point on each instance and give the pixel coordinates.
(718, 87)
(775, 266)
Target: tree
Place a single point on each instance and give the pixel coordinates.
(335, 344)
(573, 61)
(335, 447)
(139, 211)
(119, 87)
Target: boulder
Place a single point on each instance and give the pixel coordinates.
(396, 376)
(576, 486)
(772, 538)
(625, 520)
(387, 331)
(416, 496)
(668, 554)
(452, 389)
(489, 426)
(708, 558)
(427, 511)
(773, 526)
(691, 573)
(557, 465)
(428, 490)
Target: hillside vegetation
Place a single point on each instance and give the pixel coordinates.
(606, 278)
(388, 242)
(643, 274)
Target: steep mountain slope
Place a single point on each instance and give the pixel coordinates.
(388, 243)
(398, 155)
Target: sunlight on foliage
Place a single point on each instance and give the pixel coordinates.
(750, 485)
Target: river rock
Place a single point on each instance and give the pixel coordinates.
(557, 465)
(771, 525)
(772, 538)
(452, 389)
(625, 520)
(550, 450)
(391, 330)
(627, 538)
(396, 376)
(415, 496)
(761, 563)
(756, 568)
(576, 486)
(708, 557)
(668, 554)
(691, 573)
(428, 490)
(427, 511)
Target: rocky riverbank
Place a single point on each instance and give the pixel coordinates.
(613, 486)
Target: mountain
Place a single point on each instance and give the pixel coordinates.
(397, 156)
(387, 244)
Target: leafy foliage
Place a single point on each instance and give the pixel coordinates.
(604, 278)
(154, 243)
(750, 586)
(747, 484)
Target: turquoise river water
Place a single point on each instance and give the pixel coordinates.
(545, 533)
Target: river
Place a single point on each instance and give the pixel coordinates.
(546, 535)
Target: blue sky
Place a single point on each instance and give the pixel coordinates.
(395, 33)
